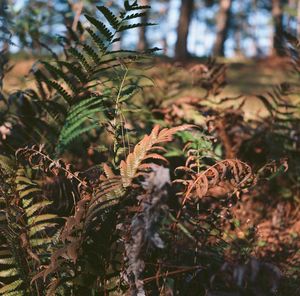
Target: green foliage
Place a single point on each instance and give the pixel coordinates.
(25, 229)
(77, 84)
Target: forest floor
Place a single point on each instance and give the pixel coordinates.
(247, 76)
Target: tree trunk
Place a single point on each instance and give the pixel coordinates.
(186, 12)
(298, 20)
(277, 13)
(143, 43)
(223, 21)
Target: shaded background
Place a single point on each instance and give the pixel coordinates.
(231, 28)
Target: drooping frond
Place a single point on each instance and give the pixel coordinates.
(75, 122)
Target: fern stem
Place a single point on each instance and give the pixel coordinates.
(117, 111)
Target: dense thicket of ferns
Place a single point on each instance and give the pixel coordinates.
(151, 210)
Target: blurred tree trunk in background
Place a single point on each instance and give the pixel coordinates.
(143, 43)
(186, 13)
(223, 20)
(298, 19)
(239, 25)
(277, 14)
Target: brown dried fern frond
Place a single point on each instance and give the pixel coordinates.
(144, 151)
(231, 174)
(38, 159)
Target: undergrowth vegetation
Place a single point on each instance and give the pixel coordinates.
(115, 183)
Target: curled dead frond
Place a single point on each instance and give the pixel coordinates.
(229, 175)
(37, 158)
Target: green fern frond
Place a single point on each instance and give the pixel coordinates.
(7, 261)
(40, 77)
(10, 273)
(135, 15)
(78, 115)
(81, 58)
(7, 164)
(111, 18)
(40, 229)
(40, 218)
(97, 40)
(59, 74)
(55, 85)
(73, 34)
(75, 70)
(24, 246)
(11, 287)
(31, 210)
(68, 135)
(101, 27)
(134, 6)
(91, 52)
(133, 26)
(15, 293)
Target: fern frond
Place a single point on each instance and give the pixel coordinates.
(91, 52)
(237, 173)
(101, 27)
(134, 6)
(7, 164)
(133, 26)
(130, 166)
(135, 15)
(80, 58)
(78, 115)
(97, 40)
(24, 233)
(105, 198)
(75, 70)
(111, 18)
(31, 210)
(55, 85)
(59, 74)
(11, 287)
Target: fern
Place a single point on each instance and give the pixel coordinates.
(23, 231)
(74, 123)
(111, 18)
(92, 65)
(133, 163)
(236, 171)
(101, 28)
